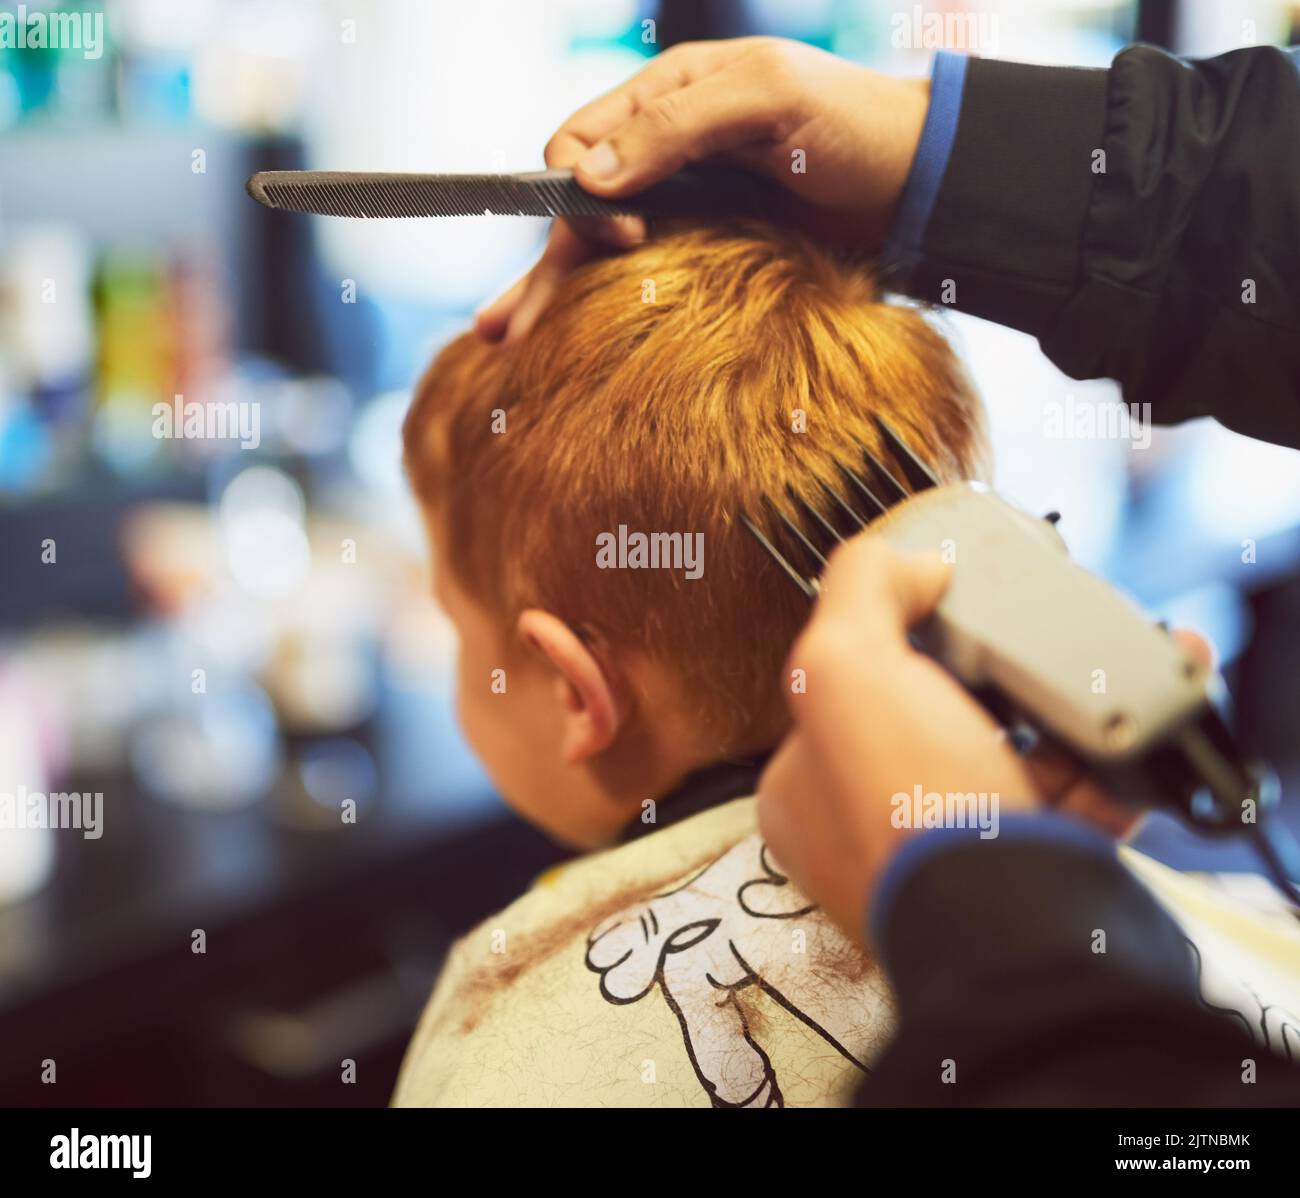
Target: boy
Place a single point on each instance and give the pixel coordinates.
(582, 491)
(621, 675)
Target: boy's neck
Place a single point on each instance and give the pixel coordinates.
(708, 786)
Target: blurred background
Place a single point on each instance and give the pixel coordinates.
(230, 637)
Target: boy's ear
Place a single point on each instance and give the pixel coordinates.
(590, 707)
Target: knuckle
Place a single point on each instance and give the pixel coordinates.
(768, 54)
(641, 96)
(666, 115)
(776, 66)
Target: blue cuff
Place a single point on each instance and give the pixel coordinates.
(1018, 828)
(906, 234)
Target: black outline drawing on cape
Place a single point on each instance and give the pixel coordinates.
(1286, 1042)
(700, 968)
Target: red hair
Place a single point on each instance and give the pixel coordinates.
(668, 389)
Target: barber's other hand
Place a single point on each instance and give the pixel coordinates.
(751, 101)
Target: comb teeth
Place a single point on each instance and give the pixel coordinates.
(801, 550)
(378, 194)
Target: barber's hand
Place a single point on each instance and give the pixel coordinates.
(753, 102)
(879, 718)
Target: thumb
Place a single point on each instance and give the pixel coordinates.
(721, 112)
(918, 581)
(869, 581)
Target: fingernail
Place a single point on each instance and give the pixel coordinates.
(600, 162)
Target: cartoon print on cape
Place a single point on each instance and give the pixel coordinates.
(739, 924)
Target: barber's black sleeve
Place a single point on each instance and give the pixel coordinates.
(1143, 222)
(1033, 969)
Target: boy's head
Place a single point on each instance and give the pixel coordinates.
(665, 391)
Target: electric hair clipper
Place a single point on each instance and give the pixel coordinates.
(1051, 649)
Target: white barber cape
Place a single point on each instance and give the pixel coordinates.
(682, 969)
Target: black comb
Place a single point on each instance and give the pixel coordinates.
(864, 496)
(709, 192)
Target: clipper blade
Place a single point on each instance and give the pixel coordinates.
(868, 491)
